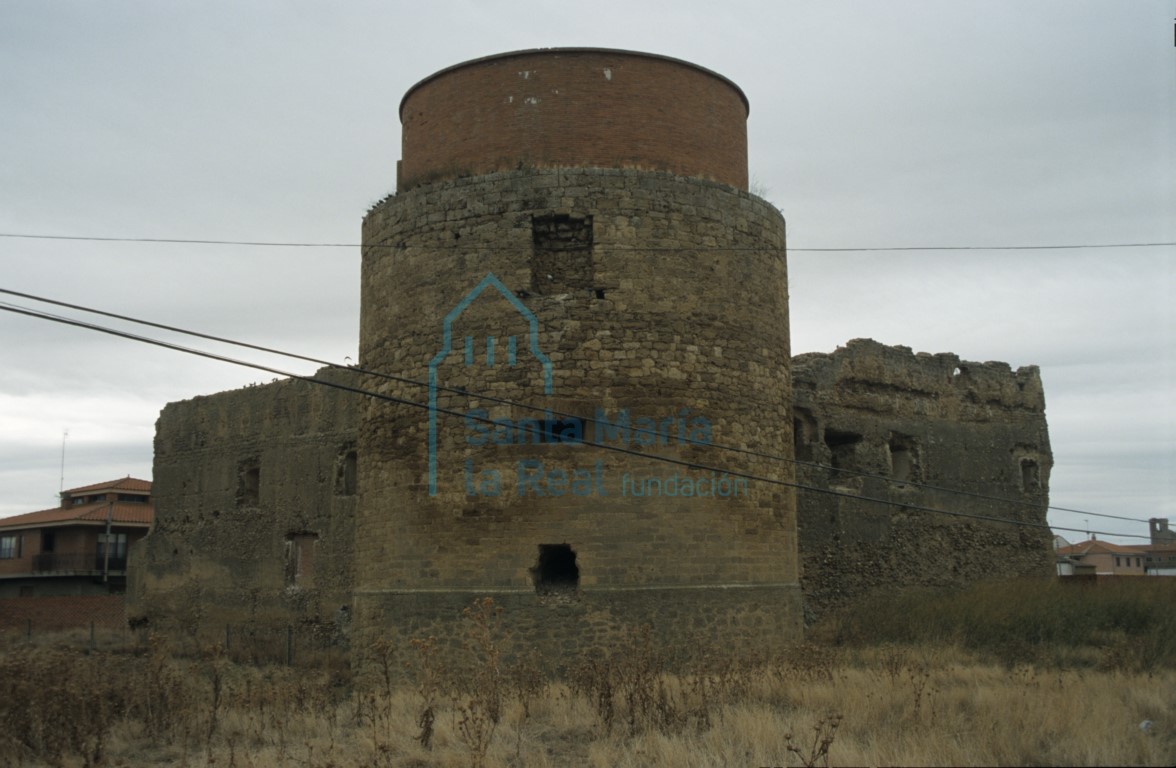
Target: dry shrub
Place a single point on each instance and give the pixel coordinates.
(477, 699)
(880, 704)
(427, 687)
(631, 686)
(55, 703)
(817, 751)
(1036, 621)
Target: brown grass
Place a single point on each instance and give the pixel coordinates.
(885, 704)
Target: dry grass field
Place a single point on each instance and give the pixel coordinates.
(930, 679)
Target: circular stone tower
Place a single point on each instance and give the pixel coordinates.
(595, 311)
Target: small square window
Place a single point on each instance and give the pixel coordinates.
(10, 547)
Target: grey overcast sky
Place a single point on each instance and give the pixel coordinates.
(993, 122)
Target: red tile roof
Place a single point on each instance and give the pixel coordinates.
(139, 513)
(1096, 547)
(127, 483)
(1170, 547)
(123, 512)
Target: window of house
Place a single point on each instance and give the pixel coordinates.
(10, 547)
(1116, 562)
(48, 541)
(117, 544)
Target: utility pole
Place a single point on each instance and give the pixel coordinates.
(106, 549)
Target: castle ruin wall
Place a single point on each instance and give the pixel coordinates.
(573, 243)
(881, 422)
(255, 493)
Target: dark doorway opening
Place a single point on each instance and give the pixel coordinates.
(556, 571)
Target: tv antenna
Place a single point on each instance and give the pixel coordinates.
(61, 482)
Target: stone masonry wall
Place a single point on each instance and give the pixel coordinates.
(255, 497)
(911, 420)
(653, 296)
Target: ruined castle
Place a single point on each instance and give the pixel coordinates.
(581, 401)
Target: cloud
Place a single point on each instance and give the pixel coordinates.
(907, 123)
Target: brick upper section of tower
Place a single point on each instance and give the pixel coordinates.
(573, 107)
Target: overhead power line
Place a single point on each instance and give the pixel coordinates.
(562, 414)
(615, 448)
(461, 247)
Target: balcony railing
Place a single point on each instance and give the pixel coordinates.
(51, 562)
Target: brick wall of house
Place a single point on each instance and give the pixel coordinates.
(62, 612)
(240, 478)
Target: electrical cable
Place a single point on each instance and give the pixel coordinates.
(455, 246)
(616, 448)
(562, 414)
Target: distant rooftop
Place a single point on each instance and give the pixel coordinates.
(128, 483)
(92, 504)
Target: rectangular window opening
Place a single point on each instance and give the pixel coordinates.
(804, 433)
(249, 483)
(112, 552)
(904, 458)
(301, 551)
(9, 547)
(561, 258)
(347, 473)
(1030, 476)
(842, 448)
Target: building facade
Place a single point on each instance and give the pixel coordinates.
(66, 567)
(1103, 558)
(79, 547)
